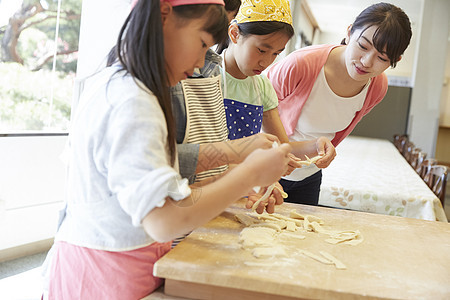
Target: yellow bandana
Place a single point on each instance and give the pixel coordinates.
(264, 10)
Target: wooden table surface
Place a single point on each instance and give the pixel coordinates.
(400, 258)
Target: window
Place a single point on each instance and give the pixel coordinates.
(38, 61)
(39, 47)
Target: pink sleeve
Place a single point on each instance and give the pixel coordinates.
(285, 76)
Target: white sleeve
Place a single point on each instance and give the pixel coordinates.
(138, 164)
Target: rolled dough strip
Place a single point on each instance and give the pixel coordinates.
(314, 219)
(339, 265)
(264, 197)
(296, 215)
(346, 237)
(309, 161)
(282, 217)
(283, 193)
(271, 225)
(317, 257)
(314, 159)
(354, 242)
(266, 216)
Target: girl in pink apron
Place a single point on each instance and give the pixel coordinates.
(125, 200)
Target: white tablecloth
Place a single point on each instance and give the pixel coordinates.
(371, 175)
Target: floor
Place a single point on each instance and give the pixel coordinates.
(26, 272)
(20, 279)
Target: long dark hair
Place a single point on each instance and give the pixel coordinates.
(259, 28)
(393, 32)
(232, 5)
(140, 49)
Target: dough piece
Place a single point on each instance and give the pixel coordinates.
(317, 257)
(295, 215)
(245, 219)
(310, 161)
(359, 239)
(351, 237)
(264, 197)
(283, 193)
(271, 225)
(314, 226)
(307, 226)
(256, 236)
(339, 265)
(290, 226)
(267, 252)
(281, 217)
(314, 219)
(266, 216)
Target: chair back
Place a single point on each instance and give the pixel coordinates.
(419, 158)
(439, 175)
(413, 157)
(425, 170)
(400, 141)
(407, 151)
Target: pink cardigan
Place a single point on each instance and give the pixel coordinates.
(293, 79)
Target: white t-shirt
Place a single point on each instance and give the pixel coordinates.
(119, 166)
(324, 114)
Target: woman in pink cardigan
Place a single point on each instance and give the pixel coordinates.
(325, 90)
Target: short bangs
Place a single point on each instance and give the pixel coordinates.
(388, 39)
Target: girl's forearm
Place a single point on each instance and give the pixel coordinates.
(214, 155)
(176, 218)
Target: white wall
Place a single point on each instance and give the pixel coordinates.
(404, 69)
(101, 21)
(429, 75)
(31, 171)
(444, 119)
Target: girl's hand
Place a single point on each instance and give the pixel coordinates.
(325, 148)
(267, 166)
(275, 198)
(294, 163)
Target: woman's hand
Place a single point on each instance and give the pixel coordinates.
(326, 149)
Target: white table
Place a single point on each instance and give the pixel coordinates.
(370, 175)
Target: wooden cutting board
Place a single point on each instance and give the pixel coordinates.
(399, 258)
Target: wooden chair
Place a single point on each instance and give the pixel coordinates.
(400, 141)
(407, 151)
(439, 174)
(418, 159)
(425, 171)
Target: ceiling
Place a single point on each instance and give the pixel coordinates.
(335, 15)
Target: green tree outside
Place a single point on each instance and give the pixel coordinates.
(32, 96)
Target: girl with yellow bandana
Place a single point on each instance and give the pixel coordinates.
(257, 36)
